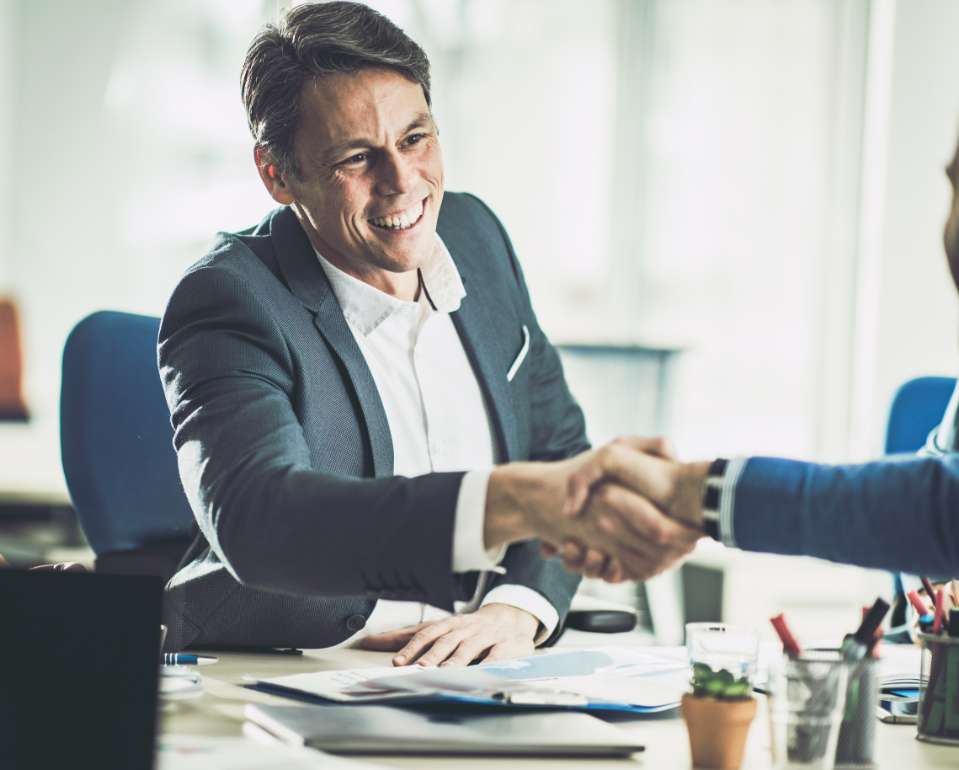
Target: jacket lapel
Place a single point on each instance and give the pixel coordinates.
(308, 282)
(482, 341)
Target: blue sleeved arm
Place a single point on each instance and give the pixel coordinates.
(896, 514)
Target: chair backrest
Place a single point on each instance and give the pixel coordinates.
(12, 405)
(917, 408)
(116, 441)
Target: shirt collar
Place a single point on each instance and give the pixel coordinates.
(366, 307)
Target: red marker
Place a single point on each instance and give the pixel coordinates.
(940, 611)
(790, 645)
(918, 603)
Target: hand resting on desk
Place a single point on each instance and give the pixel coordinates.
(493, 632)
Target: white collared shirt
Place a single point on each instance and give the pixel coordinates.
(438, 421)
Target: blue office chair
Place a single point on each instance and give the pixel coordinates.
(916, 409)
(116, 446)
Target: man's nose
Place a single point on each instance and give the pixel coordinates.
(397, 174)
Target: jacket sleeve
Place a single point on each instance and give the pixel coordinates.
(558, 431)
(274, 521)
(895, 514)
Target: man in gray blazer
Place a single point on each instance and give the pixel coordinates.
(353, 381)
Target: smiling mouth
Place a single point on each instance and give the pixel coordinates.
(403, 220)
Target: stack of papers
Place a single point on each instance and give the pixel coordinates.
(638, 680)
(899, 669)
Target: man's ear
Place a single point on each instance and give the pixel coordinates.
(273, 179)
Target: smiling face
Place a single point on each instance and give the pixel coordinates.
(369, 181)
(951, 232)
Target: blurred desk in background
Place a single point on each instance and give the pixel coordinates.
(30, 472)
(37, 522)
(623, 386)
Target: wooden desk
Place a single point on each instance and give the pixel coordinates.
(220, 712)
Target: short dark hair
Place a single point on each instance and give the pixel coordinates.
(312, 41)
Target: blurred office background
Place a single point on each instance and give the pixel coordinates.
(745, 195)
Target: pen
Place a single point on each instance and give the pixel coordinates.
(953, 627)
(877, 636)
(918, 603)
(927, 584)
(790, 645)
(185, 659)
(856, 646)
(940, 611)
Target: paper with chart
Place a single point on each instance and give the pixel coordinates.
(649, 678)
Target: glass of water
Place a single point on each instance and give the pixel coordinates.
(723, 647)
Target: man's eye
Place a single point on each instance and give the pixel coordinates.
(355, 160)
(415, 138)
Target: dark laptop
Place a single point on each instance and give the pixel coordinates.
(79, 658)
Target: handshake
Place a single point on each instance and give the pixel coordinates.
(626, 511)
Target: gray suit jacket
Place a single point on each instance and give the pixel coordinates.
(285, 452)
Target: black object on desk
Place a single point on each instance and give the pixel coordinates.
(601, 621)
(78, 669)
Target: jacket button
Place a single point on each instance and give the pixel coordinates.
(355, 622)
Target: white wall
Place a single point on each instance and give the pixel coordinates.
(7, 52)
(908, 302)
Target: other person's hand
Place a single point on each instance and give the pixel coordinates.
(493, 632)
(604, 488)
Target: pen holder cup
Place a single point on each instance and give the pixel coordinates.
(938, 718)
(857, 731)
(807, 697)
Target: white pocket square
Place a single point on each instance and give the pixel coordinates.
(520, 357)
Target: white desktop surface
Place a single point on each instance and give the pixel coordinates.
(219, 712)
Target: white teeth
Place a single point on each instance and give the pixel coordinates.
(401, 221)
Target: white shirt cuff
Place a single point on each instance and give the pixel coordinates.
(727, 499)
(527, 599)
(468, 551)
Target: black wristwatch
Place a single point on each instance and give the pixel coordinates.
(712, 497)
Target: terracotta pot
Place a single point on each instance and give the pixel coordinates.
(717, 730)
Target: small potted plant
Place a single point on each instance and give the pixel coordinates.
(718, 713)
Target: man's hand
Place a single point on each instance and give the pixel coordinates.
(610, 499)
(493, 632)
(674, 488)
